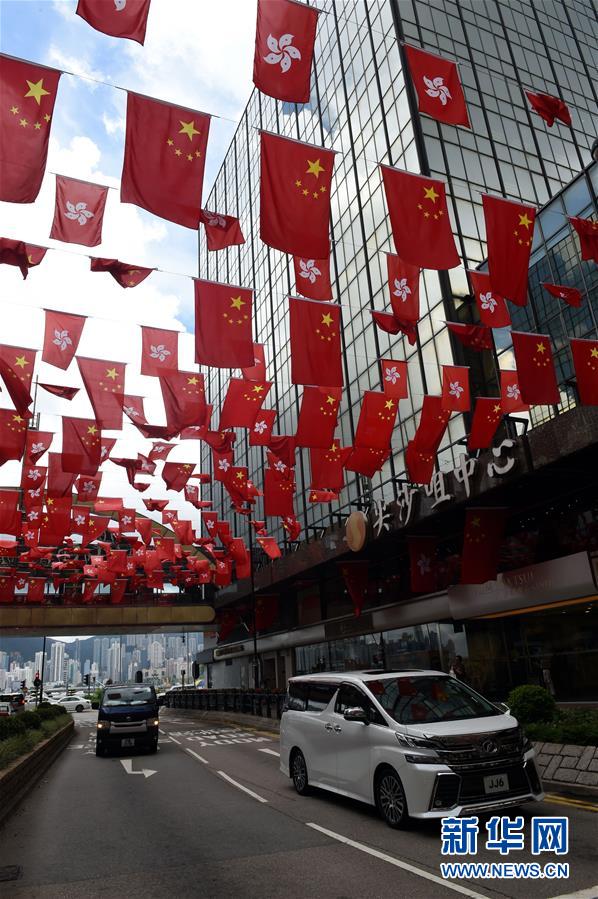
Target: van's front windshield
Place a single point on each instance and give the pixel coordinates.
(128, 696)
(425, 700)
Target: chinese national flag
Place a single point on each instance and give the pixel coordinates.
(159, 351)
(476, 337)
(510, 394)
(38, 442)
(10, 517)
(482, 539)
(492, 308)
(569, 295)
(366, 460)
(242, 402)
(105, 385)
(35, 589)
(221, 230)
(27, 95)
(587, 231)
(261, 432)
(284, 49)
(550, 108)
(423, 565)
(23, 255)
(455, 388)
(16, 368)
(165, 152)
(61, 390)
(535, 366)
(421, 227)
(318, 416)
(291, 526)
(223, 325)
(184, 398)
(486, 419)
(118, 18)
(13, 433)
(176, 474)
(315, 343)
(78, 212)
(432, 424)
(509, 236)
(390, 324)
(376, 420)
(438, 87)
(278, 494)
(117, 591)
(266, 607)
(403, 284)
(295, 196)
(419, 463)
(81, 446)
(322, 496)
(7, 588)
(312, 278)
(355, 576)
(133, 408)
(61, 337)
(327, 467)
(585, 360)
(257, 371)
(394, 378)
(124, 274)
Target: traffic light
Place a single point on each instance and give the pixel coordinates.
(195, 670)
(86, 680)
(23, 685)
(139, 676)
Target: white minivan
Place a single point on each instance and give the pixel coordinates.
(418, 744)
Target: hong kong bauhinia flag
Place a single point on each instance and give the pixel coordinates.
(509, 235)
(61, 337)
(569, 295)
(394, 378)
(105, 385)
(159, 351)
(295, 185)
(221, 230)
(284, 49)
(16, 369)
(587, 231)
(124, 274)
(165, 152)
(118, 18)
(550, 108)
(223, 325)
(492, 308)
(535, 366)
(312, 278)
(510, 393)
(423, 563)
(261, 431)
(421, 227)
(78, 211)
(315, 343)
(438, 87)
(403, 285)
(455, 388)
(585, 360)
(27, 96)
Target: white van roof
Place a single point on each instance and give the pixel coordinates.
(365, 676)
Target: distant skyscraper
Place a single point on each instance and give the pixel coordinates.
(156, 655)
(57, 662)
(38, 664)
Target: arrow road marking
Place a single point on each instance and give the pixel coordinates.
(128, 766)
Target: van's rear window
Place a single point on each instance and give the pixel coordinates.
(129, 696)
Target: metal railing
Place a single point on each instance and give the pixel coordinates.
(261, 704)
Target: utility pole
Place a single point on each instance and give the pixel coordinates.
(256, 660)
(41, 689)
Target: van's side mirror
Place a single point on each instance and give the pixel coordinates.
(504, 707)
(95, 705)
(356, 714)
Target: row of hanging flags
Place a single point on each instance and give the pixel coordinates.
(163, 169)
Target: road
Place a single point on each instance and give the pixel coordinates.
(211, 815)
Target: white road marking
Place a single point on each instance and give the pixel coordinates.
(178, 742)
(589, 893)
(241, 787)
(128, 766)
(419, 872)
(190, 751)
(163, 732)
(270, 752)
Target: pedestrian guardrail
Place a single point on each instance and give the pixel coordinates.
(261, 704)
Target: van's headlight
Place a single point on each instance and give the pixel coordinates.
(425, 750)
(103, 725)
(526, 743)
(413, 742)
(153, 722)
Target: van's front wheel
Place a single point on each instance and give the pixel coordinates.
(390, 798)
(299, 773)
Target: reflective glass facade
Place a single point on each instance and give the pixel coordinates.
(361, 107)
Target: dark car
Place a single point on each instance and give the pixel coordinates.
(12, 703)
(127, 718)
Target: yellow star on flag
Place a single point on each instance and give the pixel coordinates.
(330, 400)
(189, 129)
(594, 352)
(258, 388)
(192, 380)
(327, 320)
(524, 220)
(37, 90)
(17, 418)
(314, 168)
(540, 348)
(21, 362)
(389, 404)
(92, 429)
(236, 303)
(430, 194)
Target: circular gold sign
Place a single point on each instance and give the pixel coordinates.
(356, 530)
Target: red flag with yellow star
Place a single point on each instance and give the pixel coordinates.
(105, 385)
(486, 419)
(376, 420)
(184, 396)
(482, 539)
(390, 324)
(176, 474)
(327, 467)
(10, 517)
(223, 325)
(159, 351)
(284, 49)
(366, 460)
(16, 368)
(477, 337)
(81, 445)
(535, 367)
(123, 273)
(587, 231)
(549, 108)
(78, 211)
(509, 235)
(23, 255)
(455, 388)
(242, 402)
(318, 416)
(585, 360)
(315, 343)
(322, 496)
(278, 494)
(421, 227)
(438, 87)
(295, 196)
(27, 95)
(165, 152)
(118, 18)
(13, 433)
(61, 337)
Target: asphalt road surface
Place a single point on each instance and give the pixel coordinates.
(211, 816)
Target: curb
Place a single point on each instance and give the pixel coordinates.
(565, 789)
(253, 722)
(22, 775)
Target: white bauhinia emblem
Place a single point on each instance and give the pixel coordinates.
(88, 487)
(217, 221)
(455, 389)
(260, 427)
(62, 340)
(282, 51)
(131, 411)
(78, 212)
(127, 519)
(280, 466)
(37, 447)
(488, 302)
(309, 270)
(158, 449)
(223, 464)
(423, 563)
(401, 289)
(159, 352)
(120, 4)
(392, 375)
(34, 474)
(79, 519)
(33, 494)
(32, 515)
(29, 535)
(435, 87)
(513, 391)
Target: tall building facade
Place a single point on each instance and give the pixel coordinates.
(57, 662)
